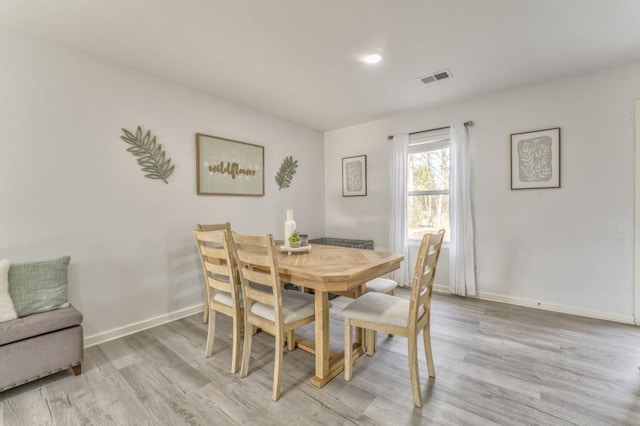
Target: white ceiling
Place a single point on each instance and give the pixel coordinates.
(299, 59)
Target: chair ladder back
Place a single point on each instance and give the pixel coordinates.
(257, 263)
(424, 274)
(219, 278)
(255, 259)
(217, 259)
(214, 252)
(215, 227)
(424, 292)
(435, 246)
(263, 299)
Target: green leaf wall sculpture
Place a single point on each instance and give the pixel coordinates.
(151, 155)
(286, 172)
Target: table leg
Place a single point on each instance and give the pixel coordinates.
(359, 337)
(328, 364)
(322, 339)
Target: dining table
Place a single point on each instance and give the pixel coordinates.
(331, 269)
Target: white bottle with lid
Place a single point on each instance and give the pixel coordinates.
(289, 227)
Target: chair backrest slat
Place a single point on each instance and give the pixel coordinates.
(258, 295)
(219, 284)
(217, 269)
(432, 256)
(257, 263)
(259, 277)
(213, 252)
(215, 227)
(424, 275)
(258, 241)
(255, 259)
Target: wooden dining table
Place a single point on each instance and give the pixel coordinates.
(331, 269)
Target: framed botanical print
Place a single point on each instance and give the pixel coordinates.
(535, 159)
(354, 176)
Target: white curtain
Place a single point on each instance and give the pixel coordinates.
(398, 223)
(462, 279)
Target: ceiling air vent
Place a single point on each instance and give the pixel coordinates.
(440, 75)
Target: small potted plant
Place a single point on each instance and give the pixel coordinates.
(294, 240)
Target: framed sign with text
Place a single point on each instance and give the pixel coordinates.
(228, 167)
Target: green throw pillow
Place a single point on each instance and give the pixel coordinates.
(39, 286)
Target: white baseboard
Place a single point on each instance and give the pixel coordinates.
(529, 303)
(126, 330)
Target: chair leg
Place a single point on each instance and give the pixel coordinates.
(372, 341)
(246, 350)
(348, 360)
(414, 373)
(392, 293)
(291, 340)
(235, 350)
(277, 367)
(205, 314)
(428, 354)
(210, 335)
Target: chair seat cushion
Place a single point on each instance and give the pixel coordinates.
(381, 309)
(38, 324)
(225, 298)
(381, 285)
(295, 306)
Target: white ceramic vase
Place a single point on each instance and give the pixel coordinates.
(289, 227)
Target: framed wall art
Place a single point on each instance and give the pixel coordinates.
(535, 159)
(354, 176)
(228, 167)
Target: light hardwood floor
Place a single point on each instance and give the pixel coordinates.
(495, 364)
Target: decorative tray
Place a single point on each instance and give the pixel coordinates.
(302, 249)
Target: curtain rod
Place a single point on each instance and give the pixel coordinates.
(466, 123)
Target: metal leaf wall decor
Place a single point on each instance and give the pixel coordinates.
(150, 153)
(286, 172)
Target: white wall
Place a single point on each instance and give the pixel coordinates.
(69, 187)
(566, 248)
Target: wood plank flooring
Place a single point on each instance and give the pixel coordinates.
(495, 364)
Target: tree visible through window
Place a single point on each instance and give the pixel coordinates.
(428, 184)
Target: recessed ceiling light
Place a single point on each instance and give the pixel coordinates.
(372, 59)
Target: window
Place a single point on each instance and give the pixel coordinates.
(428, 183)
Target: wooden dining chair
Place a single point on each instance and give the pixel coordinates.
(210, 228)
(222, 284)
(275, 311)
(394, 315)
